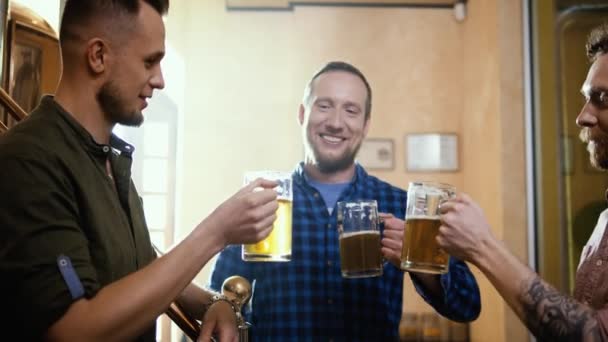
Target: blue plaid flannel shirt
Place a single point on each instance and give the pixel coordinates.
(307, 299)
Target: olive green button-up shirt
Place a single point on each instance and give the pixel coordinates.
(56, 198)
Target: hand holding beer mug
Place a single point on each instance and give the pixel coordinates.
(277, 245)
(420, 252)
(360, 254)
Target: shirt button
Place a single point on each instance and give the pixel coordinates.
(106, 149)
(329, 226)
(598, 263)
(328, 262)
(316, 195)
(329, 301)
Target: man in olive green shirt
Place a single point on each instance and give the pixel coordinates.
(76, 261)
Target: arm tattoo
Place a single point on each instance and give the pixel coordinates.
(552, 316)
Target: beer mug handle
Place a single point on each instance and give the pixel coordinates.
(381, 218)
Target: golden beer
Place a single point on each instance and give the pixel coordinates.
(360, 254)
(277, 245)
(420, 251)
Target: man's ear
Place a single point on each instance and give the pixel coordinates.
(301, 114)
(97, 54)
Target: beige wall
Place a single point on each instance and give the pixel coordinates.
(494, 148)
(245, 76)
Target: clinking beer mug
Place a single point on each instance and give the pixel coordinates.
(360, 254)
(420, 251)
(277, 245)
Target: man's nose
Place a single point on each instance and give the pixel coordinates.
(588, 116)
(158, 81)
(335, 120)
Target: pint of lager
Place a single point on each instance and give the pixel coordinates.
(420, 252)
(277, 245)
(360, 254)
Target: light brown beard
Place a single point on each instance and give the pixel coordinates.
(597, 146)
(327, 165)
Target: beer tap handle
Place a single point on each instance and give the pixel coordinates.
(238, 290)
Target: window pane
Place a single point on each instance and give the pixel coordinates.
(155, 175)
(155, 209)
(158, 239)
(156, 139)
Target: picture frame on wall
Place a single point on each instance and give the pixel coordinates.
(432, 152)
(377, 154)
(33, 65)
(25, 71)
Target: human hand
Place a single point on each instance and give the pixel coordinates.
(221, 320)
(392, 238)
(464, 228)
(247, 216)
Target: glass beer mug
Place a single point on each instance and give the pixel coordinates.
(277, 245)
(359, 234)
(420, 251)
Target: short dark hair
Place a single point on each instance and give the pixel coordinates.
(80, 12)
(597, 43)
(346, 67)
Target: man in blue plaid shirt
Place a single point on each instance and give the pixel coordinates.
(307, 298)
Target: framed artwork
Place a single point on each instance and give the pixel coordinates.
(25, 71)
(431, 152)
(33, 66)
(377, 154)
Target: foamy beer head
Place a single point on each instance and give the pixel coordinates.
(359, 233)
(277, 245)
(420, 251)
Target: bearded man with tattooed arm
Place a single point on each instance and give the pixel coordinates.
(549, 314)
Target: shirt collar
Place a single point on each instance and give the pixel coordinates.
(85, 137)
(299, 176)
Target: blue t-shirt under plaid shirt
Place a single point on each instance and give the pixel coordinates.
(307, 299)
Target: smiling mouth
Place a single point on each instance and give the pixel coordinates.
(331, 139)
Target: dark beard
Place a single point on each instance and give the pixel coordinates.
(332, 166)
(114, 108)
(597, 147)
